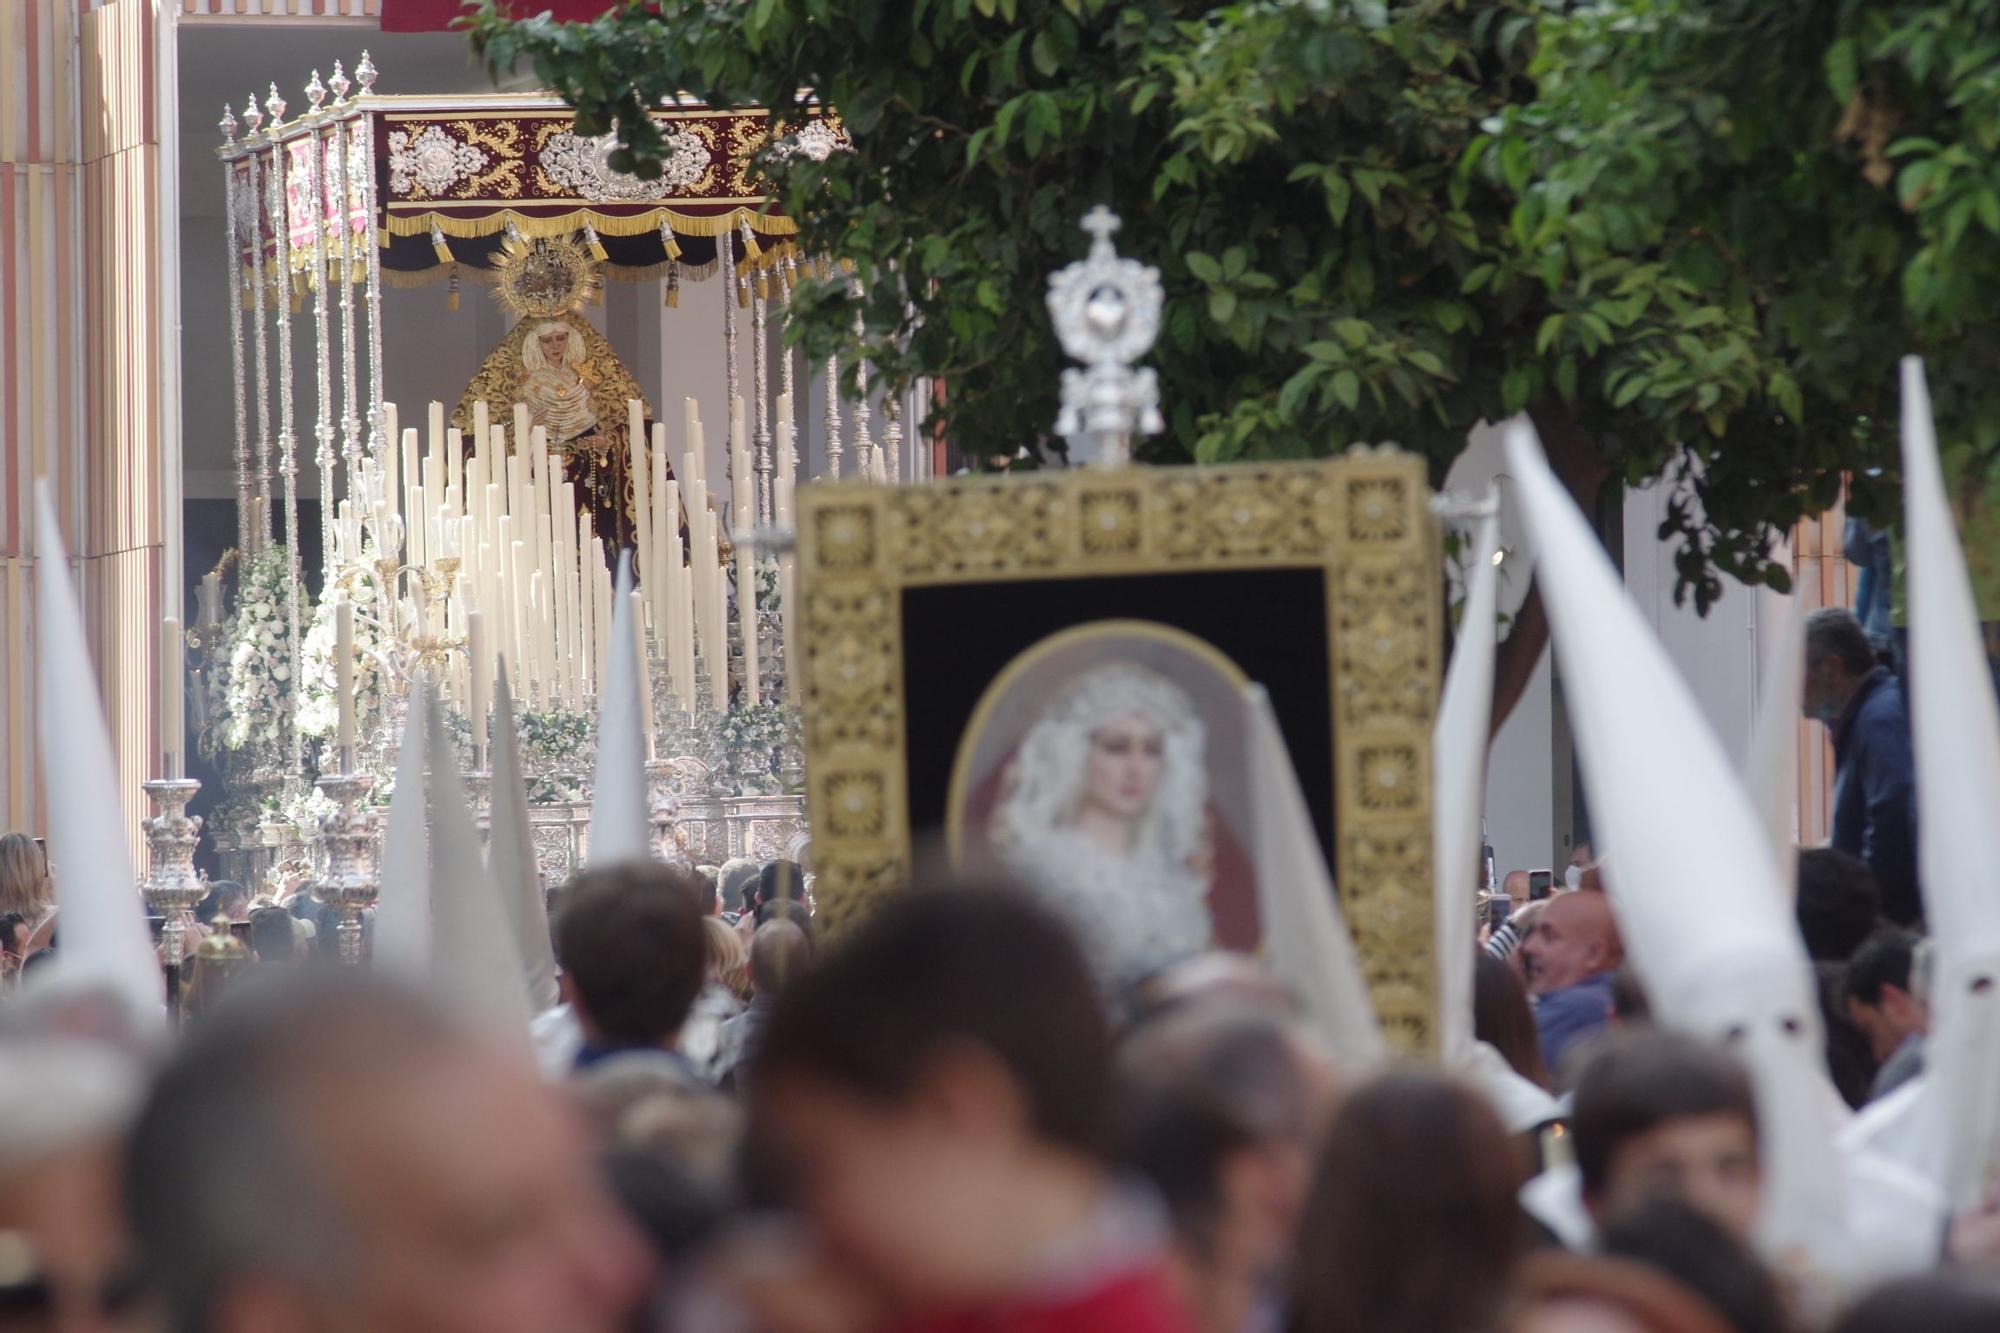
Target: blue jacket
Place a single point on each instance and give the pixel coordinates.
(1564, 1017)
(1875, 791)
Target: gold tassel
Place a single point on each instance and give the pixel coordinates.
(742, 294)
(592, 244)
(451, 290)
(438, 245)
(672, 299)
(750, 246)
(673, 246)
(763, 287)
(357, 272)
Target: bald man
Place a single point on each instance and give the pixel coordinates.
(1570, 958)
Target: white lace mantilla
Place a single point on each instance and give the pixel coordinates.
(431, 161)
(1133, 914)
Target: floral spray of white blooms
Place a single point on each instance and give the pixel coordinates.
(319, 710)
(259, 691)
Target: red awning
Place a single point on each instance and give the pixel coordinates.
(439, 15)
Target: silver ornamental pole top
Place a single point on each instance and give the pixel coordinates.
(252, 117)
(1106, 312)
(338, 83)
(227, 125)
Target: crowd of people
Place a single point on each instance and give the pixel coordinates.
(939, 1121)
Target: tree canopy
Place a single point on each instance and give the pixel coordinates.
(1688, 237)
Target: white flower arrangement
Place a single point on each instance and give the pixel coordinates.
(319, 709)
(259, 688)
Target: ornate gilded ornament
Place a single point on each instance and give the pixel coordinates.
(581, 166)
(1106, 312)
(545, 277)
(430, 162)
(816, 140)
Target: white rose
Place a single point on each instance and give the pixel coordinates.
(281, 672)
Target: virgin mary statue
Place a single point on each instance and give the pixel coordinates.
(1104, 811)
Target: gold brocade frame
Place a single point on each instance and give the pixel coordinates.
(1362, 520)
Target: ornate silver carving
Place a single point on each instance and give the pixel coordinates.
(339, 83)
(288, 460)
(364, 73)
(1106, 312)
(315, 94)
(431, 160)
(581, 164)
(759, 379)
(816, 141)
(256, 202)
(350, 881)
(864, 448)
(313, 190)
(172, 886)
(232, 217)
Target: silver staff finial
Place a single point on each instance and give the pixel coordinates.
(253, 116)
(1106, 312)
(275, 106)
(315, 92)
(364, 73)
(227, 125)
(339, 83)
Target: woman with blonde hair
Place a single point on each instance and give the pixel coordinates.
(25, 886)
(725, 982)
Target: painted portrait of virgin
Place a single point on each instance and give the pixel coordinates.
(1103, 770)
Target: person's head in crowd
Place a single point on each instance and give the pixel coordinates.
(64, 1108)
(1502, 1017)
(1411, 1224)
(1221, 1109)
(1942, 1302)
(780, 952)
(633, 953)
(1839, 904)
(932, 1093)
(1839, 658)
(728, 962)
(226, 899)
(1850, 1058)
(783, 909)
(1881, 998)
(1657, 1114)
(25, 886)
(708, 894)
(1629, 1005)
(643, 1105)
(275, 936)
(335, 1152)
(737, 883)
(1516, 886)
(1560, 1292)
(1692, 1248)
(1574, 939)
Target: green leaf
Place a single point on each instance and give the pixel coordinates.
(1347, 388)
(1517, 164)
(1353, 332)
(1043, 55)
(1427, 362)
(1222, 305)
(1203, 266)
(1323, 350)
(1477, 278)
(1843, 69)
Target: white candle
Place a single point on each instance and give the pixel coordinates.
(434, 439)
(645, 676)
(600, 597)
(385, 460)
(543, 657)
(521, 424)
(523, 601)
(482, 683)
(171, 694)
(454, 461)
(343, 688)
(642, 498)
(418, 530)
(482, 423)
(211, 598)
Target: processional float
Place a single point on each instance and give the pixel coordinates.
(488, 537)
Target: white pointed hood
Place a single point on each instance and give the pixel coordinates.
(1458, 790)
(1771, 769)
(474, 963)
(621, 824)
(512, 856)
(1955, 729)
(1693, 881)
(103, 941)
(403, 905)
(1306, 942)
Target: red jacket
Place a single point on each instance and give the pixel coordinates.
(1135, 1301)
